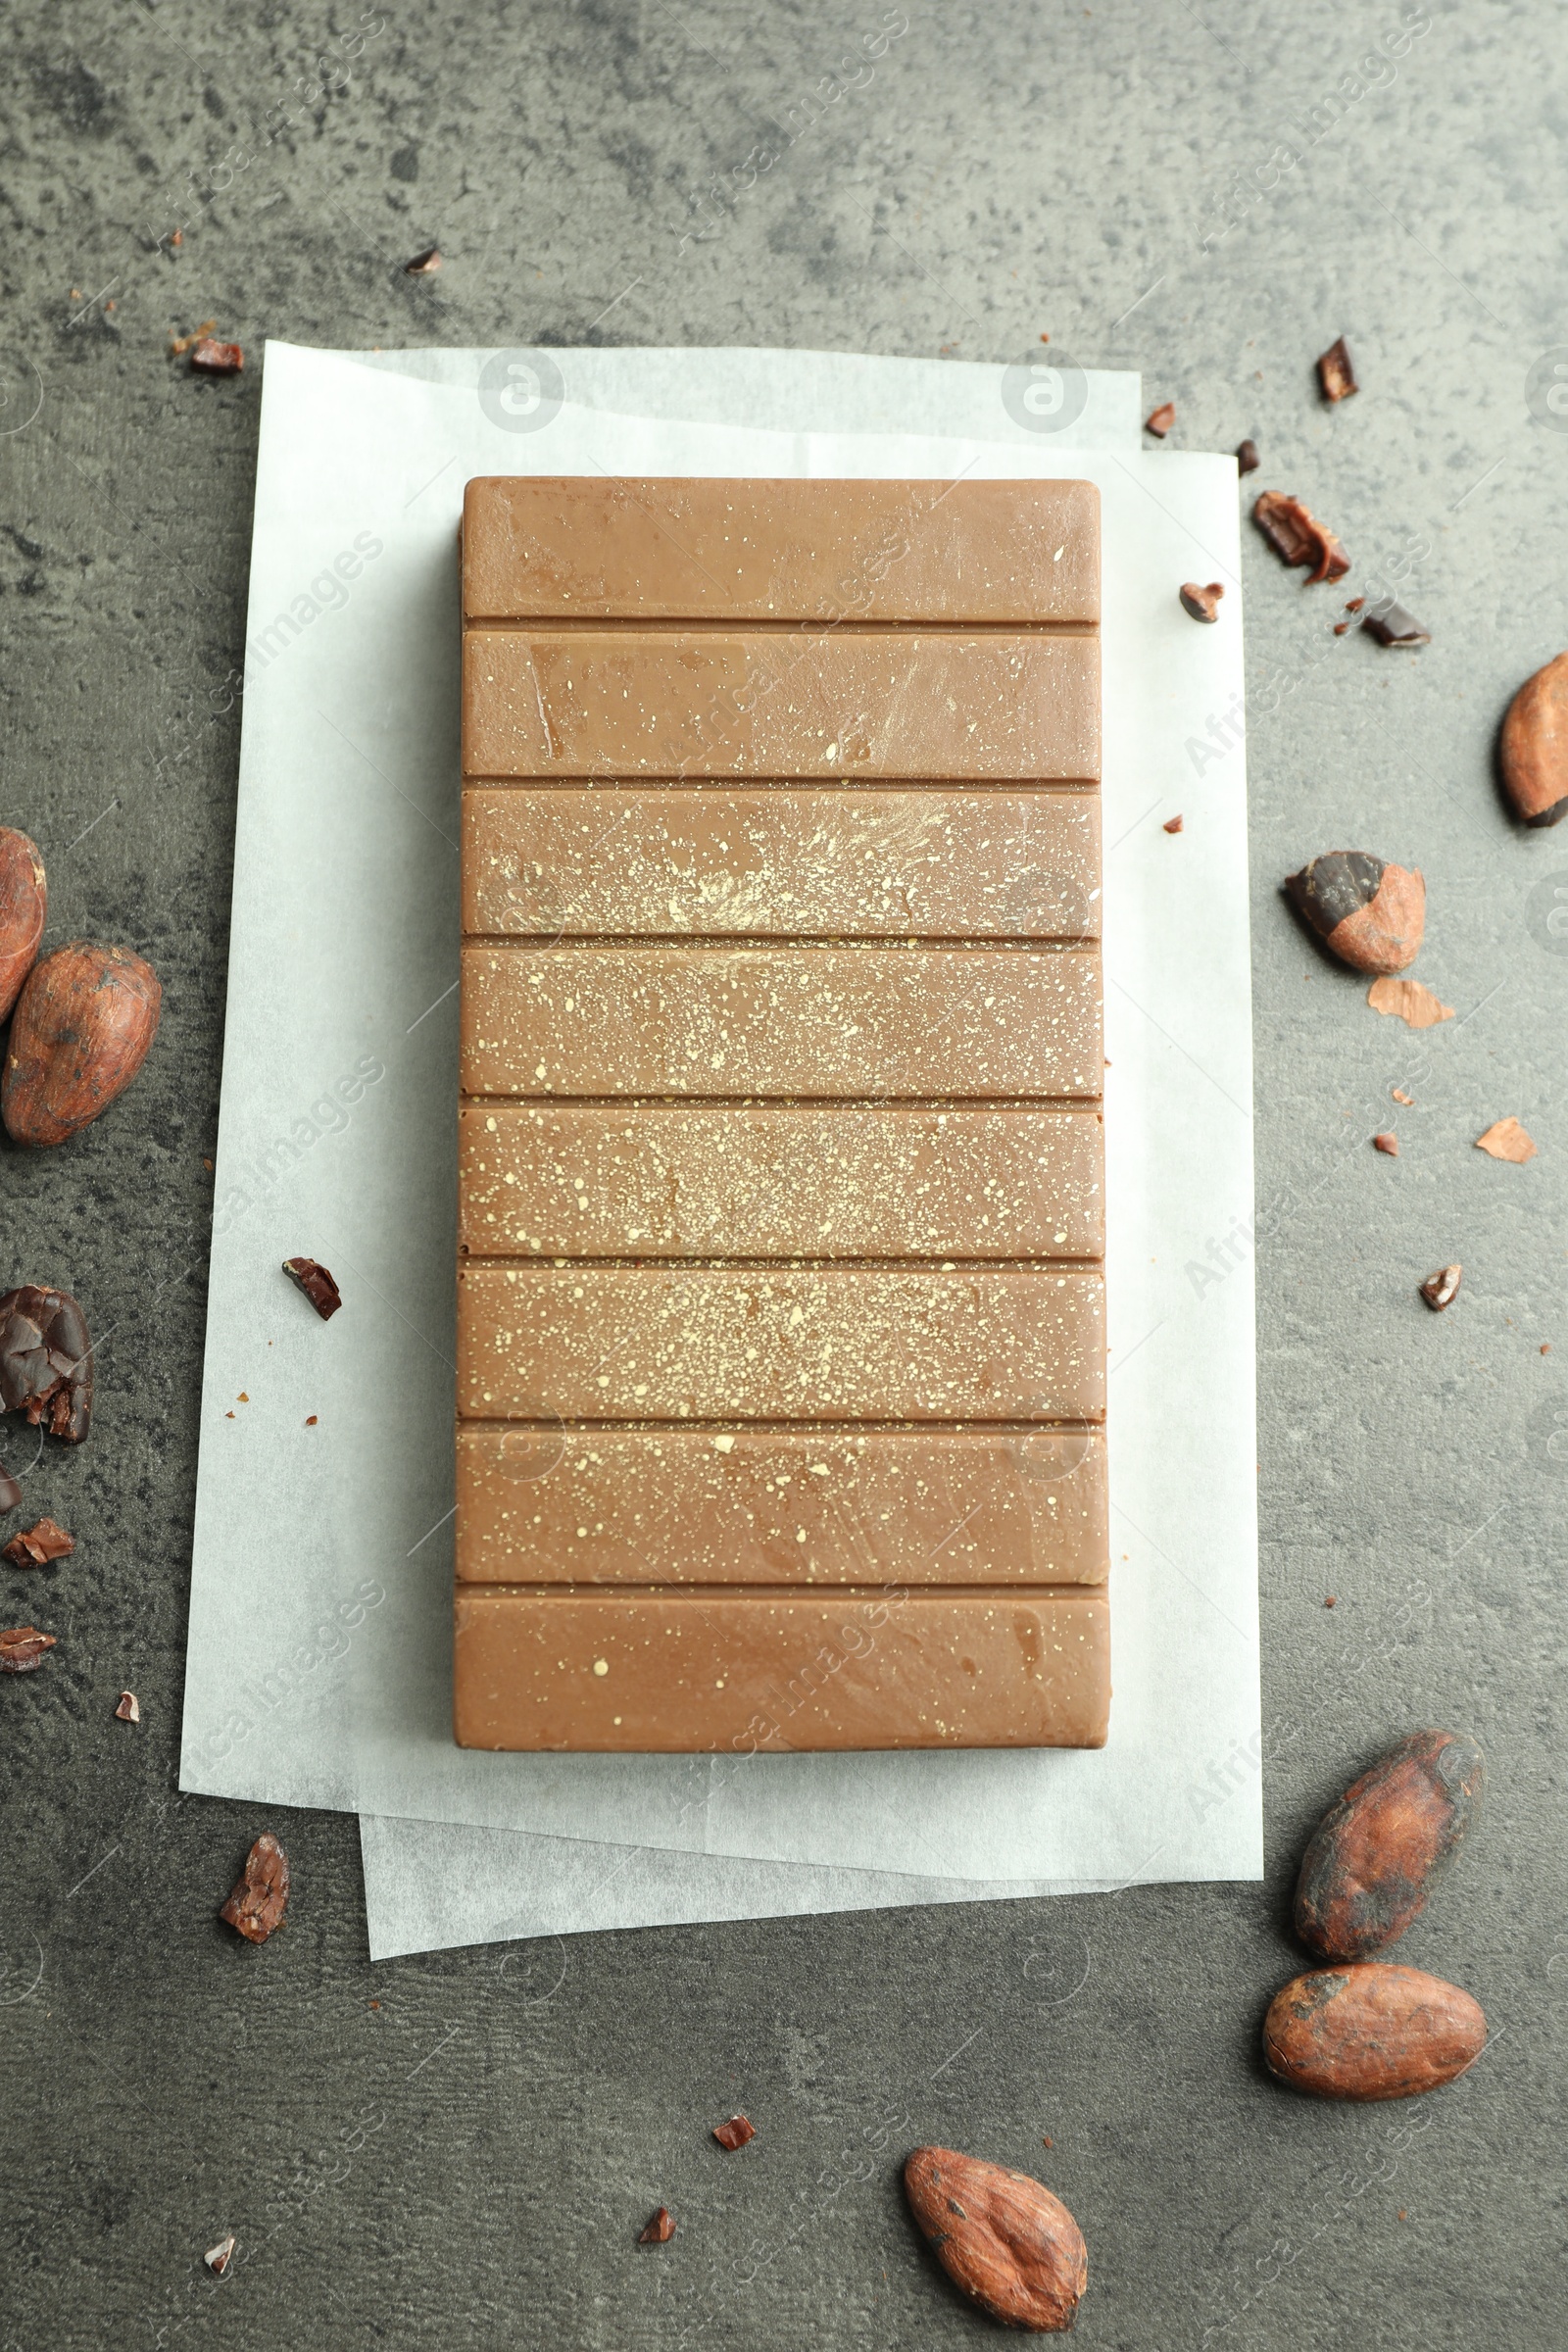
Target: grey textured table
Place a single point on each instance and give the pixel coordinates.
(459, 2150)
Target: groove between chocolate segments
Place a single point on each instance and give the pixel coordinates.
(710, 1424)
(562, 625)
(659, 1589)
(696, 780)
(1088, 1104)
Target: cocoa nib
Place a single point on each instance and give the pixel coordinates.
(259, 1901)
(46, 1360)
(1387, 1143)
(1160, 421)
(22, 1649)
(1379, 1850)
(10, 1492)
(1247, 460)
(317, 1283)
(1440, 1290)
(1002, 2237)
(1298, 537)
(36, 1545)
(211, 358)
(1391, 624)
(1335, 373)
(735, 2134)
(1202, 603)
(1368, 913)
(660, 2231)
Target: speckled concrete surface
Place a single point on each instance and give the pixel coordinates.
(460, 2151)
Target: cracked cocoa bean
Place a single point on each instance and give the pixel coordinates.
(46, 1360)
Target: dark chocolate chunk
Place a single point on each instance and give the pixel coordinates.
(1335, 373)
(317, 1283)
(1298, 537)
(10, 1492)
(23, 1648)
(259, 1901)
(1202, 603)
(46, 1360)
(1441, 1289)
(1368, 913)
(1391, 624)
(1160, 420)
(36, 1545)
(660, 2231)
(735, 2134)
(1247, 460)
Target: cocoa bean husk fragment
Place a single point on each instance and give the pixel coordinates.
(10, 1492)
(1371, 2030)
(1298, 537)
(1160, 421)
(1505, 1138)
(46, 1360)
(1002, 2237)
(23, 1649)
(261, 1897)
(1442, 1288)
(660, 2231)
(1380, 1848)
(1335, 373)
(735, 2134)
(36, 1546)
(1370, 914)
(213, 358)
(317, 1283)
(1202, 604)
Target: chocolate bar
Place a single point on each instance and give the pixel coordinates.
(781, 1321)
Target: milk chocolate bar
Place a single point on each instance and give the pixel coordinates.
(781, 1322)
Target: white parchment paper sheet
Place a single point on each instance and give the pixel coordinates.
(320, 1646)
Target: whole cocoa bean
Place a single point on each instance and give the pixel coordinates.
(1010, 2245)
(23, 904)
(84, 1022)
(1375, 1854)
(1371, 2030)
(1534, 750)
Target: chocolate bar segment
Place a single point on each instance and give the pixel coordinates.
(676, 1181)
(781, 1318)
(549, 1505)
(656, 549)
(854, 704)
(786, 1344)
(769, 1673)
(780, 863)
(792, 1021)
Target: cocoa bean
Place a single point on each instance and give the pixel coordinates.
(1005, 2240)
(1378, 1851)
(84, 1022)
(1534, 750)
(1368, 913)
(1371, 2030)
(23, 904)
